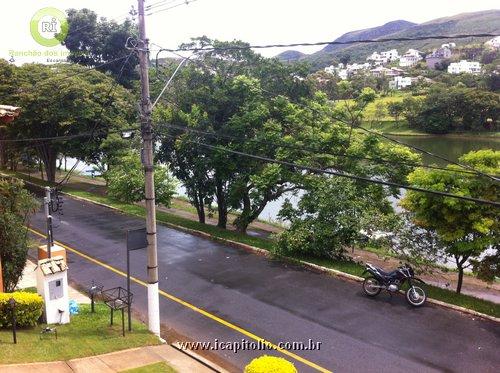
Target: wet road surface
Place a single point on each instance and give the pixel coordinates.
(276, 301)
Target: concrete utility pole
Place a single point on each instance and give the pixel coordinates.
(147, 160)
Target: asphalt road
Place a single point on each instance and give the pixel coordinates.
(276, 301)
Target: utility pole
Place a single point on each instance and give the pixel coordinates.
(147, 160)
(48, 217)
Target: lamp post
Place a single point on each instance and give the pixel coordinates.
(12, 303)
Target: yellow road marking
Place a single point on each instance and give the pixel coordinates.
(194, 308)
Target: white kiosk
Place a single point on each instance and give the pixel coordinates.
(52, 285)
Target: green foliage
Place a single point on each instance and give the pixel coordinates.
(28, 308)
(228, 95)
(15, 206)
(93, 42)
(270, 364)
(488, 268)
(454, 109)
(59, 100)
(126, 181)
(328, 218)
(465, 228)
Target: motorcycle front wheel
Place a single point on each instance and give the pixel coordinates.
(416, 296)
(371, 286)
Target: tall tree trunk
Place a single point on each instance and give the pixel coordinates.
(51, 166)
(40, 168)
(221, 204)
(200, 208)
(460, 279)
(460, 266)
(49, 158)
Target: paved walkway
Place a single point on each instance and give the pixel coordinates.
(117, 362)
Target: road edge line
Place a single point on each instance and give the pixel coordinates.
(262, 252)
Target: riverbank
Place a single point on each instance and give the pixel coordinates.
(391, 128)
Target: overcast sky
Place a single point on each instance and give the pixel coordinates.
(253, 21)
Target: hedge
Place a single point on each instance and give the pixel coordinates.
(270, 364)
(29, 308)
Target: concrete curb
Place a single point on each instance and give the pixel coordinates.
(312, 266)
(263, 252)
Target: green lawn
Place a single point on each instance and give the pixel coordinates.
(87, 334)
(444, 295)
(152, 368)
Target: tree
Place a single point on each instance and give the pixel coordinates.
(325, 82)
(455, 109)
(395, 109)
(226, 91)
(126, 181)
(16, 204)
(327, 220)
(379, 112)
(93, 42)
(465, 228)
(62, 100)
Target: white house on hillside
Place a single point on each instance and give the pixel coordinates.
(400, 82)
(410, 58)
(391, 55)
(383, 57)
(470, 67)
(493, 43)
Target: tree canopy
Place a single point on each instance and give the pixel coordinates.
(465, 228)
(94, 41)
(66, 100)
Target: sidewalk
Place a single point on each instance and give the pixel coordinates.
(111, 362)
(471, 285)
(116, 362)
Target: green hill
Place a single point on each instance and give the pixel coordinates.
(466, 23)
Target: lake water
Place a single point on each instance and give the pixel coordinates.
(446, 146)
(450, 147)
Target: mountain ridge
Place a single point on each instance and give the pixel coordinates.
(486, 21)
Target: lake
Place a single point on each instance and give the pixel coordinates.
(450, 147)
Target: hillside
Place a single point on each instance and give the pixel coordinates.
(465, 23)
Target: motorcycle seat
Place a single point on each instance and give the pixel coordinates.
(386, 274)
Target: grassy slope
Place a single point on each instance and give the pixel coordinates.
(444, 295)
(88, 334)
(466, 23)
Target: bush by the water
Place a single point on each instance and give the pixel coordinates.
(28, 308)
(270, 364)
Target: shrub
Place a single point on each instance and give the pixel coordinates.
(28, 308)
(270, 364)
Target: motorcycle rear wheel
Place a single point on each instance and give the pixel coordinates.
(416, 296)
(371, 286)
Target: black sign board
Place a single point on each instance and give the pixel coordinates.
(136, 239)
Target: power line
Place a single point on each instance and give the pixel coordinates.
(472, 169)
(475, 170)
(67, 137)
(310, 149)
(183, 2)
(362, 41)
(349, 176)
(110, 94)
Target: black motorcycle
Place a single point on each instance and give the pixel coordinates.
(392, 282)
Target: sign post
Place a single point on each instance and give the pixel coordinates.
(136, 239)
